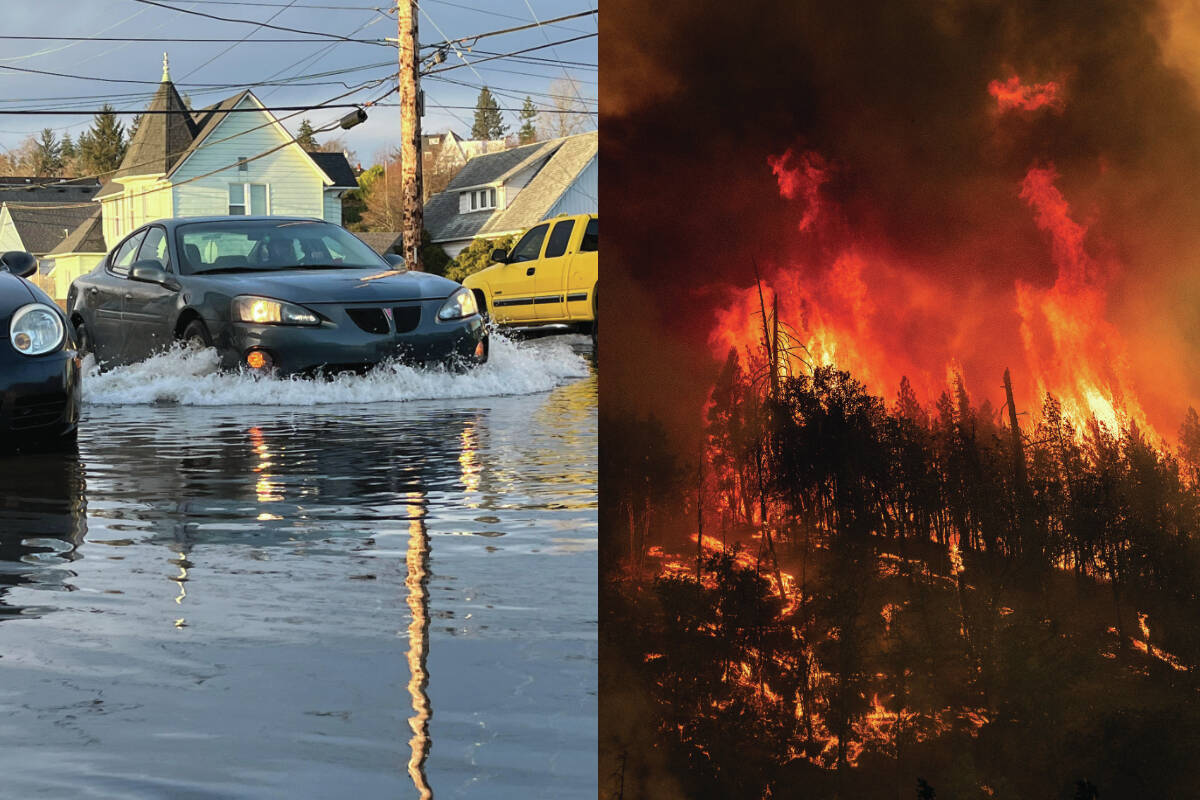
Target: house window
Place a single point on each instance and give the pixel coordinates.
(243, 165)
(487, 198)
(255, 194)
(474, 200)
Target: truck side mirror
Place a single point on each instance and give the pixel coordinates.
(500, 256)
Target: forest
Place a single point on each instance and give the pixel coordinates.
(846, 597)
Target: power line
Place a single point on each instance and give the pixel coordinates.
(255, 30)
(517, 94)
(489, 12)
(49, 112)
(476, 37)
(555, 52)
(252, 22)
(289, 5)
(51, 73)
(188, 39)
(514, 53)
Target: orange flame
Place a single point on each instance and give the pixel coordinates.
(1012, 94)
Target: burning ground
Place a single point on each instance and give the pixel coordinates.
(859, 226)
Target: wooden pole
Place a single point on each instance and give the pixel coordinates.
(412, 212)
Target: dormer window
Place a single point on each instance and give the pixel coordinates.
(483, 199)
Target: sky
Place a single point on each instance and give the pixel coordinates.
(195, 64)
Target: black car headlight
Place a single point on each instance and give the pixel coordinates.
(36, 329)
(458, 305)
(265, 311)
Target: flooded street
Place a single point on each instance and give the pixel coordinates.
(376, 586)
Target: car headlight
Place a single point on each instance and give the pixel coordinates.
(458, 305)
(265, 311)
(36, 329)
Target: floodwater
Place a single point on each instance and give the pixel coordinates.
(378, 586)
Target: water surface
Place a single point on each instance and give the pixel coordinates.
(380, 586)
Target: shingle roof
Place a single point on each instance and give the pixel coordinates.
(558, 163)
(161, 138)
(381, 241)
(43, 226)
(47, 190)
(337, 167)
(88, 237)
(541, 193)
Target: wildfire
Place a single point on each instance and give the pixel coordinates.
(856, 304)
(1012, 94)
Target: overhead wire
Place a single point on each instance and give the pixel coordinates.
(251, 22)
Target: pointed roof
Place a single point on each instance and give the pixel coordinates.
(162, 136)
(88, 237)
(42, 226)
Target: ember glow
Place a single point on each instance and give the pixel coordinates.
(1012, 94)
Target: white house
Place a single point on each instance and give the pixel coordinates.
(234, 157)
(504, 193)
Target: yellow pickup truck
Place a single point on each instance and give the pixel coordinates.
(549, 277)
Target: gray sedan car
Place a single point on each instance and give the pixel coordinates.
(271, 294)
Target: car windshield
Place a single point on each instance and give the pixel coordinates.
(259, 245)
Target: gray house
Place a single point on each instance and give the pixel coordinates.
(504, 193)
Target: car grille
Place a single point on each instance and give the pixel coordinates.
(407, 318)
(371, 320)
(36, 411)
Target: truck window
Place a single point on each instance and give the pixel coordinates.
(591, 237)
(530, 246)
(559, 237)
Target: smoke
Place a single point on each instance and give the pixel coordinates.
(928, 177)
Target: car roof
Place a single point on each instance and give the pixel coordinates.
(175, 222)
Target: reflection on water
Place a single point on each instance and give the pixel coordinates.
(230, 580)
(418, 646)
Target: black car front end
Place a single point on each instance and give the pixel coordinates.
(356, 336)
(39, 396)
(39, 365)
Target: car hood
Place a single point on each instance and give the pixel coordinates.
(14, 293)
(315, 286)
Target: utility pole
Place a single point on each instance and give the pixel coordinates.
(412, 212)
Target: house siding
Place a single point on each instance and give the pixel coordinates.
(9, 238)
(333, 207)
(581, 197)
(295, 185)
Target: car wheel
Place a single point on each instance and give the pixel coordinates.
(196, 335)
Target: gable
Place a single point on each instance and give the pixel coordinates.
(224, 138)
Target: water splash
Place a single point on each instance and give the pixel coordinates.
(190, 377)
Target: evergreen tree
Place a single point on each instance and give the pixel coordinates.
(305, 137)
(488, 122)
(66, 148)
(527, 133)
(47, 155)
(102, 147)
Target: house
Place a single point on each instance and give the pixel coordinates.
(504, 193)
(444, 154)
(233, 157)
(383, 242)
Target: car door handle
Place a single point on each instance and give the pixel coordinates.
(530, 270)
(128, 296)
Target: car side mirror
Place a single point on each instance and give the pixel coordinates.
(152, 272)
(19, 263)
(395, 261)
(500, 256)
